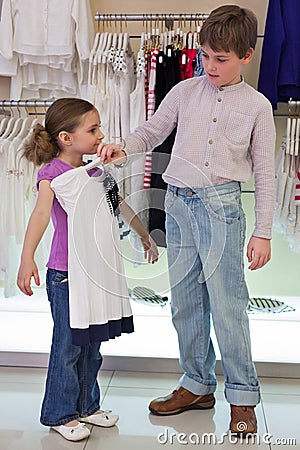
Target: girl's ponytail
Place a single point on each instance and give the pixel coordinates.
(40, 148)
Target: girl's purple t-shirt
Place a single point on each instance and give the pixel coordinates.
(58, 258)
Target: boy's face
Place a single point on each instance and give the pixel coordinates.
(223, 68)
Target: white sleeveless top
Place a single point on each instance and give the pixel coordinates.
(98, 293)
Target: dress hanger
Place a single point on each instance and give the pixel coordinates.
(297, 137)
(9, 127)
(3, 124)
(16, 128)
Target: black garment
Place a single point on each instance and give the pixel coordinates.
(167, 76)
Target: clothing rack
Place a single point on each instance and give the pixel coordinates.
(22, 104)
(25, 103)
(169, 19)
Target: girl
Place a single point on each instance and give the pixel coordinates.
(72, 395)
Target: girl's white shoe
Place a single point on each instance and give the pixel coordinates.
(102, 419)
(80, 431)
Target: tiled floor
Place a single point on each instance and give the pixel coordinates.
(128, 394)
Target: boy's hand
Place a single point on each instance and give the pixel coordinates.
(258, 252)
(150, 249)
(27, 270)
(111, 153)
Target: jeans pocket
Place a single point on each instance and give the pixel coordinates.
(60, 278)
(225, 207)
(169, 200)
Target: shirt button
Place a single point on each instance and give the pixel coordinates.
(221, 89)
(214, 119)
(219, 99)
(210, 141)
(189, 193)
(206, 164)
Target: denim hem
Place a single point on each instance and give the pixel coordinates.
(59, 422)
(196, 387)
(242, 397)
(83, 416)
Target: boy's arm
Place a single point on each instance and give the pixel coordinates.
(37, 225)
(263, 160)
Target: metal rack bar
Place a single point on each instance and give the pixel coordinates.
(25, 103)
(151, 16)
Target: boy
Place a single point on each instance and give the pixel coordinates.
(225, 133)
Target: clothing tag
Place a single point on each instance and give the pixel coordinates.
(183, 59)
(169, 52)
(160, 59)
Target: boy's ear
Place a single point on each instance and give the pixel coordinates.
(65, 138)
(248, 56)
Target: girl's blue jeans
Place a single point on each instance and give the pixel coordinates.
(205, 242)
(72, 390)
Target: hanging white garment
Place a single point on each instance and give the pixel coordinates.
(18, 195)
(138, 198)
(98, 294)
(58, 36)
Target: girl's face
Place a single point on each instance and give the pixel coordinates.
(87, 136)
(223, 68)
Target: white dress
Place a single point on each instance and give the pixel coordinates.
(98, 293)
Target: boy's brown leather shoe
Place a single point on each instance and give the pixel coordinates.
(243, 420)
(179, 401)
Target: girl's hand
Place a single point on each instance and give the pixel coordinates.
(27, 270)
(150, 249)
(111, 153)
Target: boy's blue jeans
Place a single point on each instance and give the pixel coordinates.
(72, 389)
(205, 242)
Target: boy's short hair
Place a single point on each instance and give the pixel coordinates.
(230, 28)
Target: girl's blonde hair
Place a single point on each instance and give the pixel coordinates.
(63, 115)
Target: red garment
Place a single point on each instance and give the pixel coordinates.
(297, 190)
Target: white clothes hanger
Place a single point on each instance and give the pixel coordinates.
(26, 125)
(125, 41)
(142, 40)
(95, 163)
(9, 127)
(95, 59)
(16, 128)
(108, 42)
(91, 57)
(288, 135)
(101, 47)
(114, 40)
(297, 137)
(190, 41)
(120, 40)
(3, 124)
(292, 135)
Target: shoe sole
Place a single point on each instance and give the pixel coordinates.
(208, 405)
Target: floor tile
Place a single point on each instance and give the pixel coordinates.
(36, 440)
(167, 381)
(22, 375)
(280, 386)
(282, 416)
